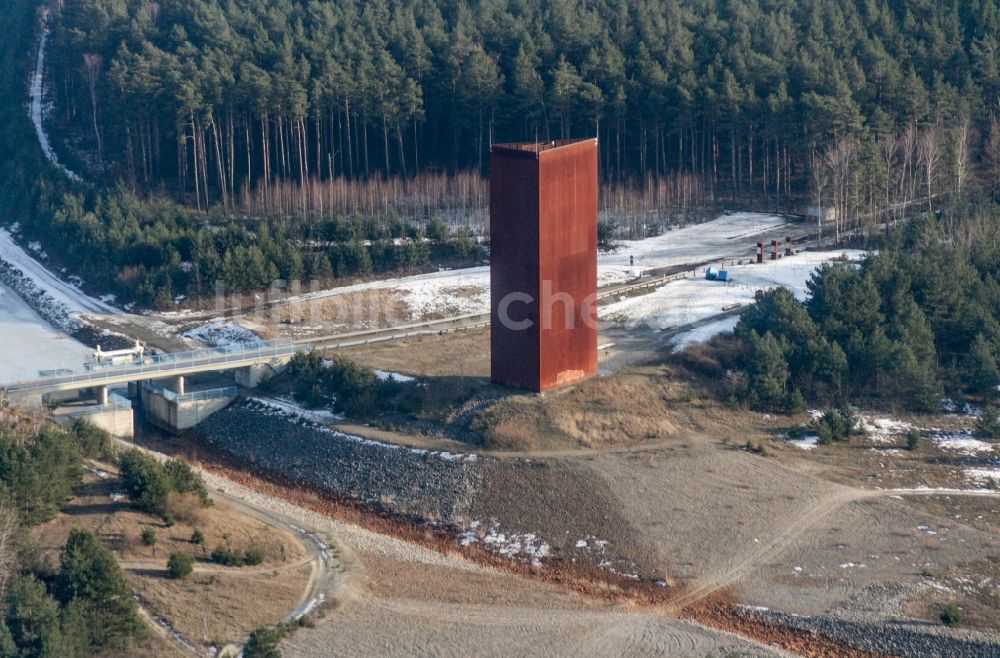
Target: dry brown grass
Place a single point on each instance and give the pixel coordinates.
(643, 405)
(221, 608)
(461, 354)
(186, 508)
(392, 578)
(365, 309)
(972, 587)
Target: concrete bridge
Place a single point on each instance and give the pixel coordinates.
(178, 365)
(175, 365)
(161, 381)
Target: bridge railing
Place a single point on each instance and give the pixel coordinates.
(161, 363)
(173, 396)
(115, 403)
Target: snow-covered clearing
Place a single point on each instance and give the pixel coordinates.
(461, 292)
(686, 301)
(38, 109)
(728, 236)
(467, 291)
(28, 344)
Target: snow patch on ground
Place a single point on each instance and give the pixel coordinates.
(29, 344)
(962, 442)
(884, 430)
(224, 334)
(318, 416)
(983, 476)
(952, 408)
(516, 546)
(386, 376)
(704, 333)
(58, 292)
(805, 443)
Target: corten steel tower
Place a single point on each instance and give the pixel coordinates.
(543, 274)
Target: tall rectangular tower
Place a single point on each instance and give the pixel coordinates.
(543, 262)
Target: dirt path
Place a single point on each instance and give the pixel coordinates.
(397, 598)
(809, 519)
(425, 628)
(742, 567)
(166, 633)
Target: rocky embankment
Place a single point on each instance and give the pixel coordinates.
(882, 628)
(434, 486)
(40, 301)
(526, 510)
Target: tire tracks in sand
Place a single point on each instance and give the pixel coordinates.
(778, 543)
(790, 533)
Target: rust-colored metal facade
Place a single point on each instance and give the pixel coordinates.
(543, 274)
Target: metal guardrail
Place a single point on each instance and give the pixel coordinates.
(423, 326)
(115, 403)
(210, 394)
(649, 283)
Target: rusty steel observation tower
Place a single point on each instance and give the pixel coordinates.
(543, 274)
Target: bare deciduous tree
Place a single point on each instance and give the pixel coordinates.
(839, 159)
(92, 64)
(929, 154)
(908, 155)
(890, 165)
(961, 152)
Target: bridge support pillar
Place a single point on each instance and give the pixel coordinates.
(102, 395)
(181, 385)
(251, 376)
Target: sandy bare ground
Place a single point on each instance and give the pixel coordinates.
(391, 597)
(387, 627)
(721, 518)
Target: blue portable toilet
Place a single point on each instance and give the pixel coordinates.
(724, 275)
(711, 274)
